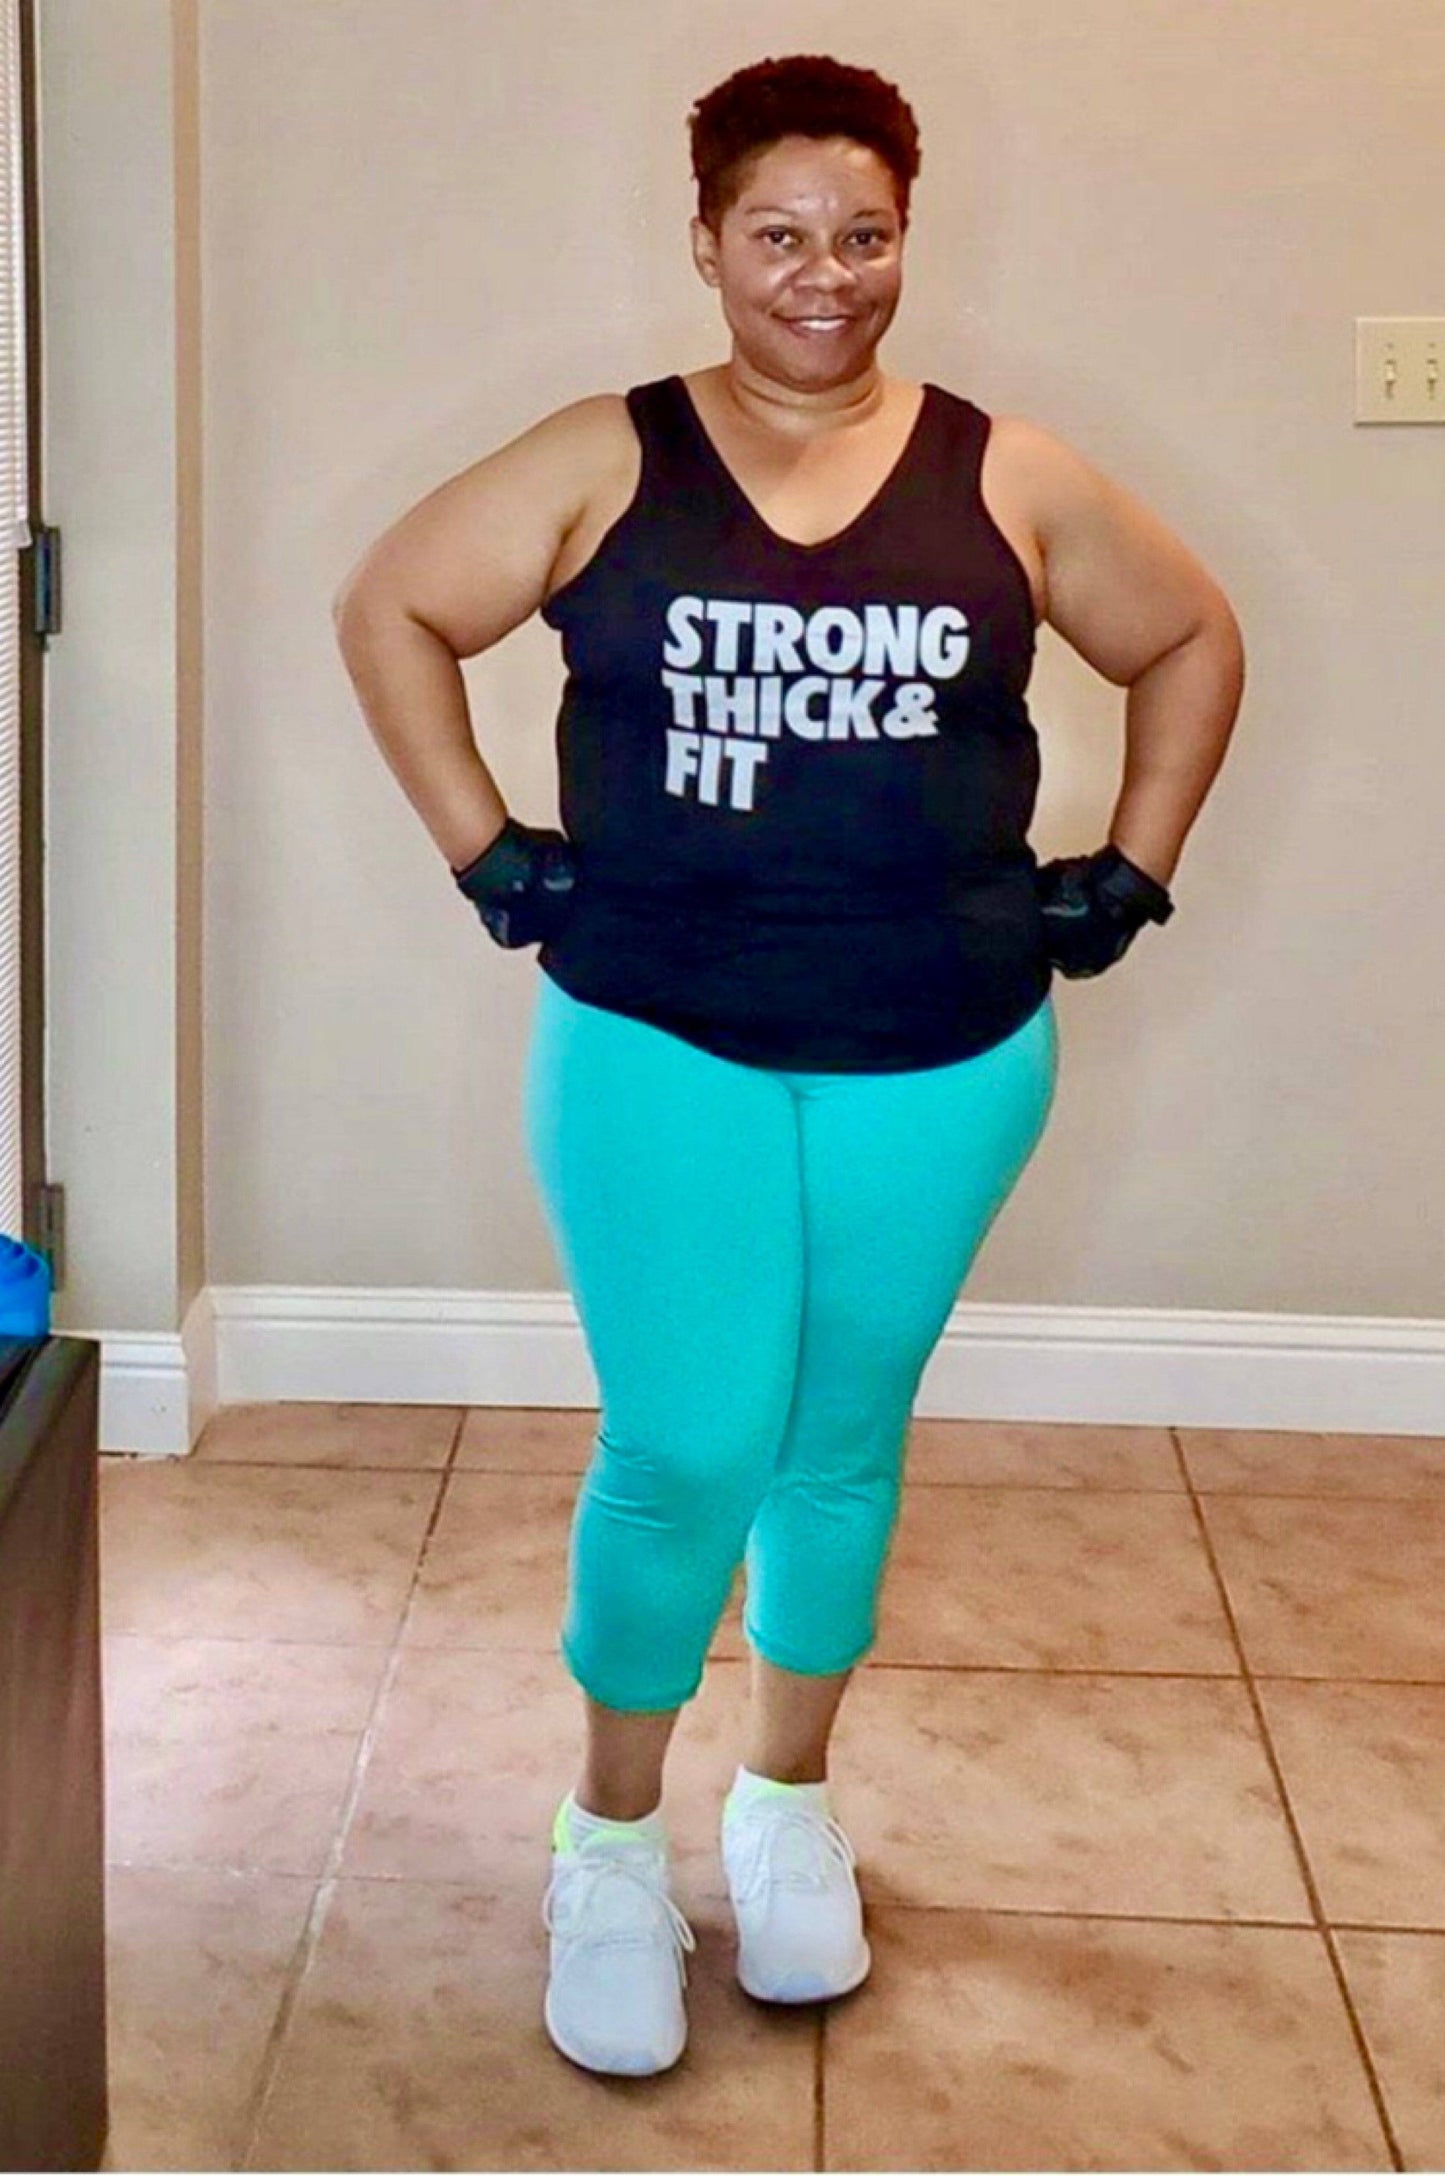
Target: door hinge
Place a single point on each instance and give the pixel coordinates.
(45, 543)
(47, 1221)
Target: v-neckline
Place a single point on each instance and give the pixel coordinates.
(774, 536)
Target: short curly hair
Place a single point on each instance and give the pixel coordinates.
(806, 94)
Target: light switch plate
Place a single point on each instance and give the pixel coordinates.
(1400, 369)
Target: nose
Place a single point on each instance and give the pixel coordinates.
(826, 274)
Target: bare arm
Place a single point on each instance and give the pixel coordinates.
(462, 568)
(411, 691)
(1134, 601)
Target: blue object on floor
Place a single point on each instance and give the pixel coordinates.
(24, 1290)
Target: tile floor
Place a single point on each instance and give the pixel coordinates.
(1146, 1776)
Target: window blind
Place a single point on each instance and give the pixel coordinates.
(14, 537)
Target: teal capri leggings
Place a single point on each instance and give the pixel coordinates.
(762, 1263)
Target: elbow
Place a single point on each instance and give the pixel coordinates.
(356, 608)
(1230, 636)
(344, 607)
(351, 603)
(1218, 618)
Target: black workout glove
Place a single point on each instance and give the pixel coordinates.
(521, 885)
(1094, 906)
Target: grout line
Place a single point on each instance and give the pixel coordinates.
(917, 1669)
(533, 1468)
(1384, 1926)
(1321, 1495)
(893, 1905)
(736, 1661)
(888, 1904)
(1326, 1932)
(533, 1471)
(286, 1465)
(1181, 1462)
(1130, 1919)
(306, 1948)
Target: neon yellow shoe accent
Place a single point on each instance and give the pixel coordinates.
(562, 1828)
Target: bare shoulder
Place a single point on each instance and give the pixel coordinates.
(593, 443)
(1048, 475)
(475, 556)
(1070, 500)
(574, 444)
(597, 429)
(592, 415)
(1122, 587)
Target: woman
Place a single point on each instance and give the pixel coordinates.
(794, 1041)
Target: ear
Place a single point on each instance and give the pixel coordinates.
(704, 250)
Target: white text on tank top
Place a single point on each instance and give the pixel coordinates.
(742, 673)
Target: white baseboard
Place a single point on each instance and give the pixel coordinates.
(1111, 1365)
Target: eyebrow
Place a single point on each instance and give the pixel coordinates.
(874, 211)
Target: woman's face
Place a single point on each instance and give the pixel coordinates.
(814, 234)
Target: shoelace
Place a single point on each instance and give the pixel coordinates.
(822, 1830)
(647, 1875)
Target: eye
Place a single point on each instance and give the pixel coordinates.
(870, 234)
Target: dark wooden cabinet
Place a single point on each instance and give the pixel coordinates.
(54, 2110)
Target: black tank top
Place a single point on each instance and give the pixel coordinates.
(798, 778)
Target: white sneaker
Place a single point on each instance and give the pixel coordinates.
(614, 1994)
(795, 1897)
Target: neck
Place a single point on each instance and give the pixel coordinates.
(801, 409)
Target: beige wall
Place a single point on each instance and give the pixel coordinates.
(120, 452)
(1149, 224)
